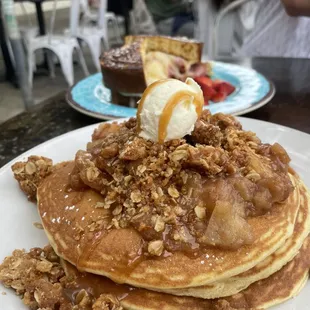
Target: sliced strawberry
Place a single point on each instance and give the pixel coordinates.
(203, 80)
(219, 96)
(206, 101)
(224, 87)
(208, 92)
(215, 83)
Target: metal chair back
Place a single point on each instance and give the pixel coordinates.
(230, 7)
(52, 22)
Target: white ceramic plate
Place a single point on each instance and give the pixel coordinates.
(17, 215)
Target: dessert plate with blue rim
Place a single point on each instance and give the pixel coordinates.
(252, 91)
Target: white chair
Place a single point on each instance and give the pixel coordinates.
(226, 10)
(215, 26)
(141, 21)
(115, 21)
(205, 12)
(28, 32)
(62, 46)
(102, 20)
(85, 32)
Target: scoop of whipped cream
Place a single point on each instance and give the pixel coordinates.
(169, 109)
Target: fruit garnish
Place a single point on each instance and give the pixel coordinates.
(204, 80)
(219, 96)
(224, 87)
(215, 90)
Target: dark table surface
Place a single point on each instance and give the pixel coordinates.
(290, 107)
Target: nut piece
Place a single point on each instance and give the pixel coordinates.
(173, 192)
(156, 247)
(179, 155)
(134, 150)
(117, 210)
(159, 224)
(99, 204)
(127, 179)
(140, 169)
(135, 196)
(168, 173)
(160, 191)
(92, 173)
(200, 212)
(184, 176)
(107, 302)
(109, 151)
(82, 298)
(30, 168)
(154, 195)
(44, 266)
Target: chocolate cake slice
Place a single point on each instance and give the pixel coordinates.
(144, 59)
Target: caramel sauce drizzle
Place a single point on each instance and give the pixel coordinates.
(179, 97)
(93, 284)
(89, 247)
(126, 266)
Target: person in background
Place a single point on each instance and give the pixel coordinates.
(274, 28)
(118, 7)
(121, 7)
(297, 7)
(172, 17)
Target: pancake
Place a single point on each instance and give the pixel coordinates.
(38, 278)
(265, 268)
(282, 285)
(68, 219)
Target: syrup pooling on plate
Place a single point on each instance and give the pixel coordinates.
(52, 284)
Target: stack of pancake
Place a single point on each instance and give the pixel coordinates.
(271, 270)
(156, 217)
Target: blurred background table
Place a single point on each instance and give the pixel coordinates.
(289, 107)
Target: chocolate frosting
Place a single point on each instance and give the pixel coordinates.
(127, 56)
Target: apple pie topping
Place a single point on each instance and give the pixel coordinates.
(185, 193)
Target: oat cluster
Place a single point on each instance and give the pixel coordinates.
(177, 195)
(39, 279)
(180, 195)
(29, 174)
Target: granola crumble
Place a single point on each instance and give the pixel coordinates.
(29, 174)
(174, 193)
(40, 281)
